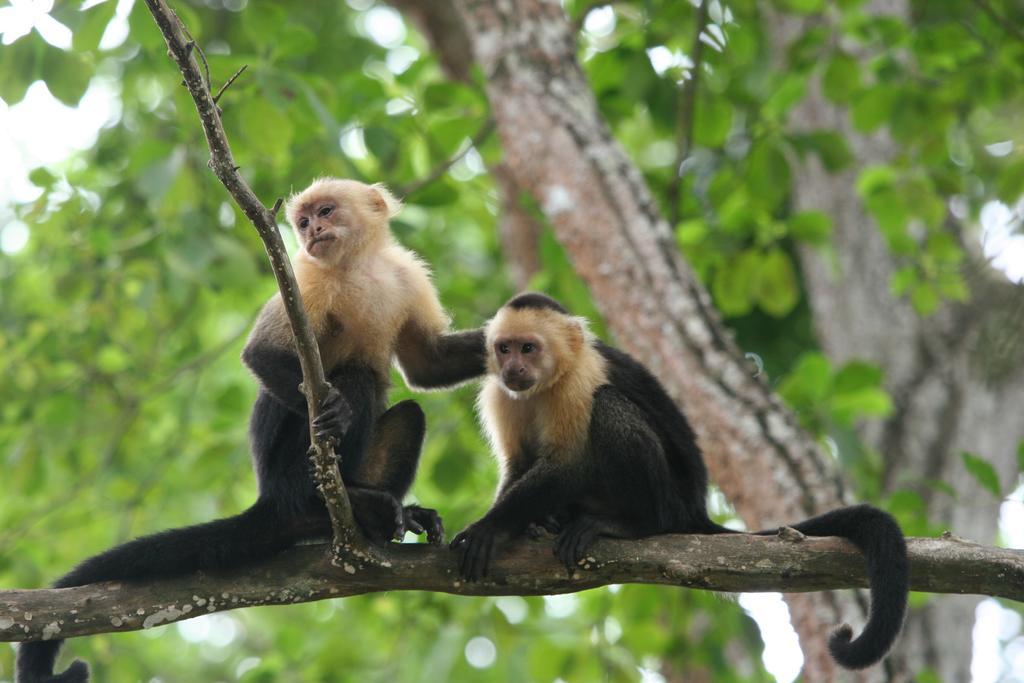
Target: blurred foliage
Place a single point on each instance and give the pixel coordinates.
(124, 405)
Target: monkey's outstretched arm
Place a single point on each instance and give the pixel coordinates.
(433, 361)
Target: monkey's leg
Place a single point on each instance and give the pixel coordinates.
(390, 465)
(580, 533)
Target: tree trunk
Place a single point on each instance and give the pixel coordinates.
(941, 372)
(558, 148)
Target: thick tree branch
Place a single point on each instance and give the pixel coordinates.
(347, 539)
(304, 574)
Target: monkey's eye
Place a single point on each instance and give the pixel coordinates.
(304, 223)
(502, 348)
(325, 211)
(527, 347)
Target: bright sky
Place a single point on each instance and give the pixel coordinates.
(40, 131)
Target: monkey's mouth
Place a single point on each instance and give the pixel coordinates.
(517, 384)
(318, 240)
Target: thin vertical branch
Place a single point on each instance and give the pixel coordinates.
(348, 542)
(687, 108)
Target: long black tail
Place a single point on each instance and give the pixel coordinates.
(877, 535)
(257, 533)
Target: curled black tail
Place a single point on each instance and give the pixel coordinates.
(257, 533)
(880, 539)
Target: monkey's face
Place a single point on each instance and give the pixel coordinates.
(337, 220)
(522, 362)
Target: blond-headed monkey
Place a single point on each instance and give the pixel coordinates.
(590, 444)
(371, 303)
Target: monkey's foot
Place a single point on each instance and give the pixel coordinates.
(424, 520)
(378, 513)
(574, 540)
(477, 543)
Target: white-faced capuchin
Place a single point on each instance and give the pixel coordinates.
(370, 302)
(590, 444)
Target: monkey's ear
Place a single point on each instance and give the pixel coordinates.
(578, 331)
(383, 201)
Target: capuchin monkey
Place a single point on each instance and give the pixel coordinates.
(370, 302)
(591, 445)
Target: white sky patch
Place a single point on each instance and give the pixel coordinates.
(995, 626)
(41, 131)
(480, 652)
(513, 607)
(559, 606)
(22, 16)
(219, 630)
(1000, 149)
(999, 242)
(663, 59)
(600, 22)
(384, 26)
(401, 58)
(782, 655)
(13, 237)
(353, 144)
(117, 30)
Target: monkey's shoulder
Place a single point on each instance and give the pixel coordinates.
(616, 418)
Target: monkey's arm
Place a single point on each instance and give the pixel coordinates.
(270, 355)
(432, 361)
(544, 489)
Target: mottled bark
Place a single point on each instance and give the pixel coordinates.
(559, 149)
(942, 371)
(305, 574)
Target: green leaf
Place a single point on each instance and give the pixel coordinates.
(872, 108)
(66, 74)
(812, 227)
(383, 144)
(777, 288)
(832, 149)
(768, 174)
(712, 121)
(841, 79)
(689, 233)
(733, 283)
(1020, 456)
(983, 472)
(808, 382)
(782, 98)
(924, 298)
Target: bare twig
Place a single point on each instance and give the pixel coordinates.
(442, 168)
(348, 542)
(216, 98)
(303, 574)
(687, 107)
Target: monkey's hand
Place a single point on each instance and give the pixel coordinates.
(334, 417)
(477, 543)
(419, 520)
(574, 540)
(378, 514)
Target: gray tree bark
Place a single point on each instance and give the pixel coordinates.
(955, 387)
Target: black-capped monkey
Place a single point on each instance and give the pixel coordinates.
(370, 302)
(587, 437)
